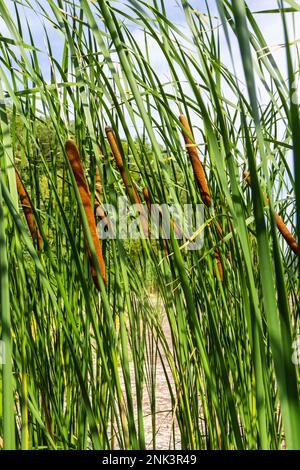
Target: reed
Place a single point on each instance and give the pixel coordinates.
(196, 163)
(27, 209)
(283, 229)
(219, 264)
(120, 165)
(199, 178)
(77, 168)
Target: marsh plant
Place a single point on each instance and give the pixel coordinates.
(107, 99)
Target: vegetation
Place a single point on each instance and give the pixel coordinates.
(81, 356)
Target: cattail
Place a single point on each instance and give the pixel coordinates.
(280, 224)
(147, 199)
(219, 230)
(27, 209)
(196, 163)
(120, 165)
(219, 263)
(119, 162)
(76, 164)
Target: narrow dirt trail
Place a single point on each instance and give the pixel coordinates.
(167, 432)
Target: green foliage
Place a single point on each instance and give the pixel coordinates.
(82, 364)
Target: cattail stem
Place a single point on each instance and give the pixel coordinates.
(27, 209)
(280, 224)
(77, 168)
(196, 163)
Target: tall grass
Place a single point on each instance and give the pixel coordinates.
(83, 359)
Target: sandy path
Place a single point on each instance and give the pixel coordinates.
(164, 420)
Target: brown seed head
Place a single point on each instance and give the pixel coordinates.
(279, 222)
(27, 209)
(77, 168)
(196, 163)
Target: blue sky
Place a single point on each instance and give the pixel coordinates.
(270, 25)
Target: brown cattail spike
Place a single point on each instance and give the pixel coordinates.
(119, 162)
(76, 164)
(120, 165)
(196, 163)
(147, 199)
(27, 209)
(117, 156)
(219, 263)
(280, 224)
